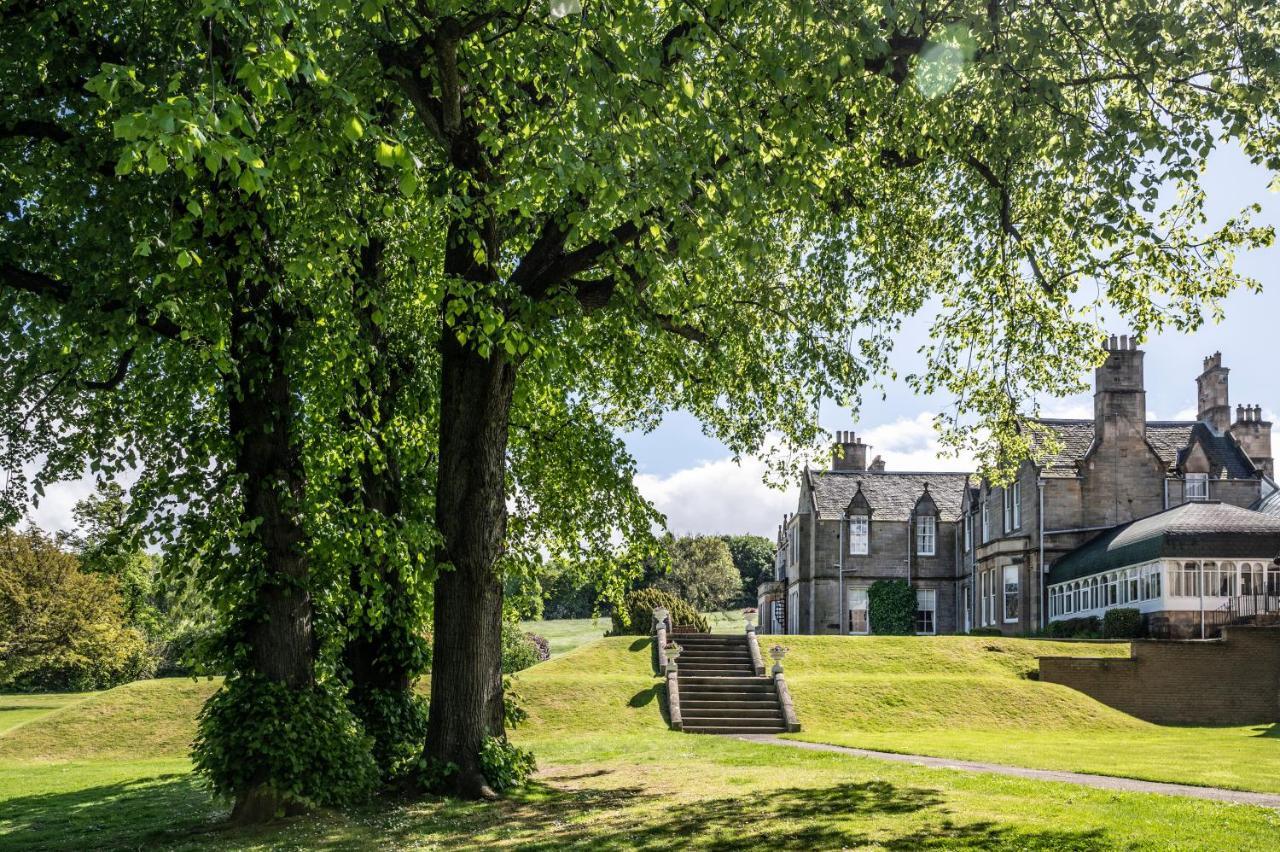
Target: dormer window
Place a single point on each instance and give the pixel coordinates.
(859, 535)
(1197, 486)
(926, 535)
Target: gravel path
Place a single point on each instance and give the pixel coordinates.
(1102, 782)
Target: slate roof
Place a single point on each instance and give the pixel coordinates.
(1191, 529)
(1168, 438)
(891, 494)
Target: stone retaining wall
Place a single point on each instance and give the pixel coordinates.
(1234, 680)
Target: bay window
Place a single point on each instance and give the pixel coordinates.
(1010, 593)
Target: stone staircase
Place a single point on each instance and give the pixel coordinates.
(720, 692)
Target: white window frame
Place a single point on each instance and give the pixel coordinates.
(1005, 592)
(1200, 492)
(859, 535)
(931, 597)
(1016, 502)
(986, 522)
(968, 532)
(926, 535)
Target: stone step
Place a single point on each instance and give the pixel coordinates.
(740, 680)
(733, 729)
(727, 668)
(742, 720)
(766, 713)
(695, 705)
(703, 655)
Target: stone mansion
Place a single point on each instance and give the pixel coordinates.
(1178, 519)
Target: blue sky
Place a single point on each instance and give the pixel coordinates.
(692, 479)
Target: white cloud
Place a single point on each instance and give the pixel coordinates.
(720, 496)
(1068, 409)
(724, 496)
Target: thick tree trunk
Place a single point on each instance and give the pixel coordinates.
(471, 512)
(261, 420)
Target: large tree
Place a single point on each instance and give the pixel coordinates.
(727, 207)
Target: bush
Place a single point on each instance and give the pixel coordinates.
(986, 631)
(1123, 623)
(183, 653)
(303, 743)
(518, 653)
(541, 644)
(1086, 627)
(504, 764)
(635, 616)
(891, 606)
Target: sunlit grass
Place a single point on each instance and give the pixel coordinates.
(971, 698)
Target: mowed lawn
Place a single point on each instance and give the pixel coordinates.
(111, 773)
(970, 697)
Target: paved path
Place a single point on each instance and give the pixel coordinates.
(1102, 782)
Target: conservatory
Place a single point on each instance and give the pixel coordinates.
(1190, 570)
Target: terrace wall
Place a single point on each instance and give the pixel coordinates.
(1234, 680)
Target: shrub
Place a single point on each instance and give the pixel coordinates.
(635, 616)
(891, 606)
(541, 644)
(986, 631)
(518, 653)
(1123, 623)
(1086, 627)
(504, 764)
(303, 743)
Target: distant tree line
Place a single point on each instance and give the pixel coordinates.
(709, 572)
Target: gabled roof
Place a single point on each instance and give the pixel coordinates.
(1169, 439)
(1191, 529)
(891, 495)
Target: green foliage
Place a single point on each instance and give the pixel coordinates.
(61, 629)
(1123, 623)
(753, 557)
(702, 573)
(396, 721)
(518, 651)
(635, 616)
(1084, 627)
(302, 743)
(506, 765)
(986, 631)
(891, 607)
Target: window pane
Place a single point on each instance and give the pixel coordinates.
(1011, 593)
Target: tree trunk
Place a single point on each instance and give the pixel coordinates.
(261, 418)
(471, 512)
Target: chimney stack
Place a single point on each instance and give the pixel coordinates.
(877, 465)
(1119, 397)
(1253, 434)
(850, 453)
(1214, 406)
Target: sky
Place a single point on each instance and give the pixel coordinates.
(694, 481)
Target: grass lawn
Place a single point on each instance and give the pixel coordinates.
(612, 777)
(968, 697)
(17, 710)
(565, 634)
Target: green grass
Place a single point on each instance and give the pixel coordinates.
(612, 777)
(969, 697)
(565, 634)
(17, 710)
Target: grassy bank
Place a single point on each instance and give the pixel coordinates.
(111, 773)
(970, 697)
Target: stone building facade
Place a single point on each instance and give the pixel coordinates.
(979, 554)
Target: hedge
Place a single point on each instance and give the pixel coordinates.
(635, 616)
(891, 605)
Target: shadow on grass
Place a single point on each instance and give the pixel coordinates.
(639, 644)
(644, 697)
(842, 815)
(129, 814)
(1272, 731)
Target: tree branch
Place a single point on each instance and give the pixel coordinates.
(117, 376)
(37, 283)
